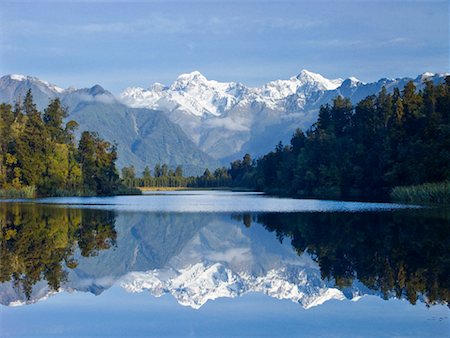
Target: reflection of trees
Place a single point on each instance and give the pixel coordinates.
(406, 253)
(38, 242)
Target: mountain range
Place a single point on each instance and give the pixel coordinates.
(228, 119)
(196, 122)
(196, 258)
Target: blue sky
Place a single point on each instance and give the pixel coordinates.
(121, 43)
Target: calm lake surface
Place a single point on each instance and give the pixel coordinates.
(222, 264)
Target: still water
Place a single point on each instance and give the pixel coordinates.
(222, 264)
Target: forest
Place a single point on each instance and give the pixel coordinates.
(365, 150)
(388, 140)
(39, 155)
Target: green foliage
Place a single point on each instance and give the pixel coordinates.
(39, 242)
(97, 158)
(163, 176)
(38, 155)
(22, 192)
(428, 192)
(128, 176)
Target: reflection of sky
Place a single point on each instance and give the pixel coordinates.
(116, 313)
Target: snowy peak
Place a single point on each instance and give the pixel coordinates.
(17, 77)
(195, 82)
(302, 85)
(158, 87)
(23, 79)
(195, 285)
(316, 81)
(351, 82)
(187, 80)
(193, 94)
(280, 89)
(429, 76)
(138, 97)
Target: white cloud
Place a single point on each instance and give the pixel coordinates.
(157, 23)
(226, 123)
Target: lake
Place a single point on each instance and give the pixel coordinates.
(222, 264)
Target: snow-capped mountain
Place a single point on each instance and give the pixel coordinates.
(200, 283)
(304, 83)
(194, 94)
(227, 119)
(224, 259)
(224, 120)
(196, 258)
(221, 117)
(44, 85)
(15, 86)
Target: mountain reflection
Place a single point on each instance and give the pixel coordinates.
(38, 242)
(401, 253)
(201, 256)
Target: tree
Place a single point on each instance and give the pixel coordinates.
(157, 171)
(146, 176)
(324, 119)
(32, 145)
(97, 158)
(178, 171)
(28, 104)
(164, 170)
(87, 160)
(53, 117)
(298, 141)
(129, 176)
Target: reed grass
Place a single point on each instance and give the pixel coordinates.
(424, 193)
(23, 192)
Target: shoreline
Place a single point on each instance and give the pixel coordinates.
(146, 189)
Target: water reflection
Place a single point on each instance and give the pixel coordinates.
(402, 253)
(197, 257)
(38, 243)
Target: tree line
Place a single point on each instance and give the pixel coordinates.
(38, 154)
(162, 176)
(364, 150)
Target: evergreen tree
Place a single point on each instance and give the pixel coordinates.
(178, 171)
(53, 118)
(129, 176)
(32, 145)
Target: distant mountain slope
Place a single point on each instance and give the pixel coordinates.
(143, 136)
(14, 87)
(229, 119)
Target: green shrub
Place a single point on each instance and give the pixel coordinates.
(23, 192)
(424, 193)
